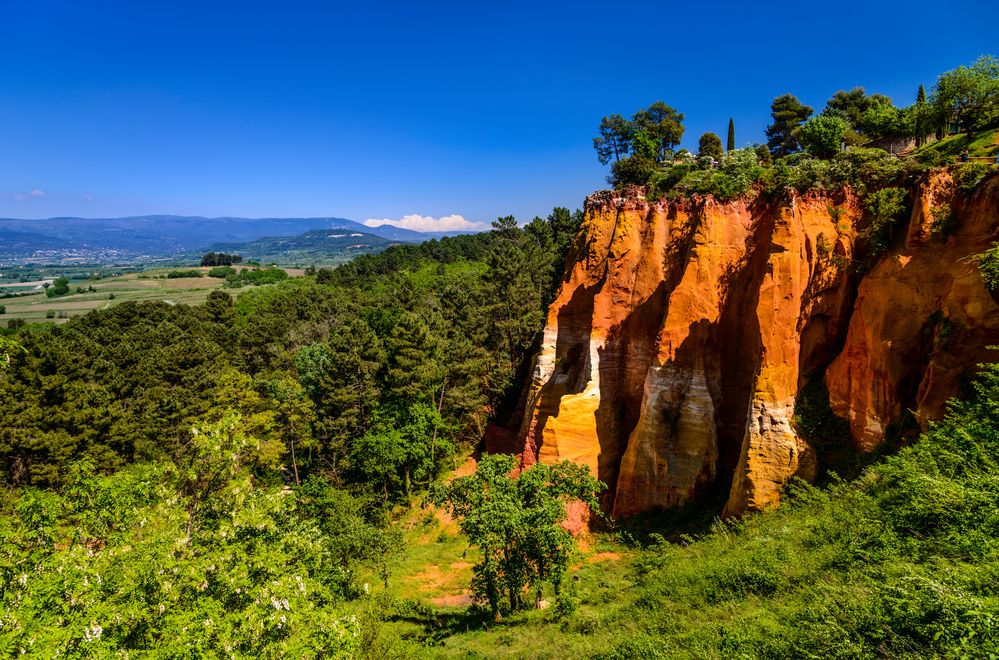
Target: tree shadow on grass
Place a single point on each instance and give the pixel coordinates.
(438, 623)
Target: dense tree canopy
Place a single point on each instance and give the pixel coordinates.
(783, 134)
(710, 145)
(822, 135)
(970, 94)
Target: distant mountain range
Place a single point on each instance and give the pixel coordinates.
(134, 238)
(316, 246)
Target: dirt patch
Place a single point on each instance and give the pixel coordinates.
(466, 469)
(429, 579)
(455, 600)
(603, 556)
(452, 581)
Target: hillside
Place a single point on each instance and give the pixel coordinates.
(899, 563)
(319, 246)
(252, 474)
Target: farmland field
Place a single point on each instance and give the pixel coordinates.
(148, 285)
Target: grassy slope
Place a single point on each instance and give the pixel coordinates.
(903, 562)
(984, 144)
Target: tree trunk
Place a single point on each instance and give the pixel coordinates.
(294, 462)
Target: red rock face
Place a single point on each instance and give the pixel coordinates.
(683, 332)
(923, 318)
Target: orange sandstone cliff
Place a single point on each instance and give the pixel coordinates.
(683, 333)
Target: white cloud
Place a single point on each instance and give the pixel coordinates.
(418, 222)
(87, 197)
(19, 197)
(37, 193)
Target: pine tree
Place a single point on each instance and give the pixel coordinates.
(730, 146)
(788, 115)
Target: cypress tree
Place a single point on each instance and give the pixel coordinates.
(731, 134)
(921, 116)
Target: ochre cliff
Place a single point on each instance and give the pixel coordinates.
(684, 331)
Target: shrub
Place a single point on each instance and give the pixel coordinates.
(738, 173)
(970, 175)
(944, 221)
(176, 274)
(932, 157)
(886, 209)
(664, 179)
(50, 314)
(222, 272)
(632, 170)
(60, 287)
(3, 309)
(988, 265)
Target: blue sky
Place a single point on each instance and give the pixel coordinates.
(411, 109)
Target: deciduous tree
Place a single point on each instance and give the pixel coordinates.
(515, 520)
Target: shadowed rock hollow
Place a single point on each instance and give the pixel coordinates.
(683, 333)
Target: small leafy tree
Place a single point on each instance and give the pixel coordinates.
(515, 520)
(710, 145)
(823, 135)
(60, 287)
(988, 266)
(884, 120)
(730, 144)
(970, 94)
(851, 105)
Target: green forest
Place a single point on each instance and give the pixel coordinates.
(211, 477)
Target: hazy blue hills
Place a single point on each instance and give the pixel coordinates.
(134, 238)
(316, 246)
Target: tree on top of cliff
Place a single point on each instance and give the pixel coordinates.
(970, 94)
(663, 125)
(614, 140)
(922, 116)
(788, 115)
(853, 104)
(710, 145)
(823, 135)
(730, 144)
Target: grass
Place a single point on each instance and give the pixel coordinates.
(983, 144)
(146, 286)
(901, 562)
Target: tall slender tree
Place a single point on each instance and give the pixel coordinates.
(730, 143)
